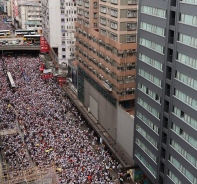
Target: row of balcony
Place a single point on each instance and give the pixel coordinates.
(86, 4)
(116, 2)
(97, 35)
(119, 69)
(122, 93)
(104, 47)
(123, 78)
(106, 65)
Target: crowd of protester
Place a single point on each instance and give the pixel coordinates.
(50, 127)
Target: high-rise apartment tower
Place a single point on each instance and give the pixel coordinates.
(58, 27)
(165, 145)
(106, 55)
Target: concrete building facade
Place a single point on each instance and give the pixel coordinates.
(165, 144)
(5, 6)
(106, 55)
(15, 13)
(59, 30)
(30, 14)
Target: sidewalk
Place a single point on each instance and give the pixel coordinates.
(96, 126)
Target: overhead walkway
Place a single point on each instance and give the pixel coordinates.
(19, 47)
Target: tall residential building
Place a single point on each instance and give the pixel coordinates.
(58, 27)
(15, 13)
(166, 104)
(1, 5)
(106, 55)
(5, 6)
(30, 14)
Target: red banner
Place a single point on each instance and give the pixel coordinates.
(47, 76)
(44, 46)
(41, 67)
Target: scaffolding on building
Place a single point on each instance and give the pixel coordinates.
(32, 175)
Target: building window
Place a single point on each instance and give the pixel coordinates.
(184, 153)
(186, 80)
(86, 23)
(149, 92)
(95, 4)
(132, 2)
(150, 61)
(146, 135)
(86, 14)
(103, 32)
(63, 56)
(189, 1)
(152, 28)
(80, 12)
(184, 135)
(188, 40)
(152, 45)
(63, 49)
(146, 164)
(186, 99)
(131, 38)
(145, 149)
(131, 26)
(113, 36)
(188, 19)
(79, 2)
(150, 109)
(131, 13)
(114, 13)
(150, 77)
(95, 15)
(191, 62)
(182, 169)
(103, 9)
(103, 20)
(153, 11)
(114, 1)
(86, 4)
(114, 25)
(174, 178)
(147, 122)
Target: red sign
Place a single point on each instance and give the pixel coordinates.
(61, 81)
(47, 76)
(41, 67)
(44, 46)
(15, 8)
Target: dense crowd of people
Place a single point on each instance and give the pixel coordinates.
(50, 127)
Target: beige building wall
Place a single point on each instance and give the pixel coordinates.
(106, 45)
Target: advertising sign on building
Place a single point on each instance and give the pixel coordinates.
(44, 47)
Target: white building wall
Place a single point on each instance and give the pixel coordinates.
(22, 17)
(5, 6)
(45, 20)
(30, 14)
(54, 23)
(68, 17)
(125, 131)
(58, 26)
(9, 8)
(1, 4)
